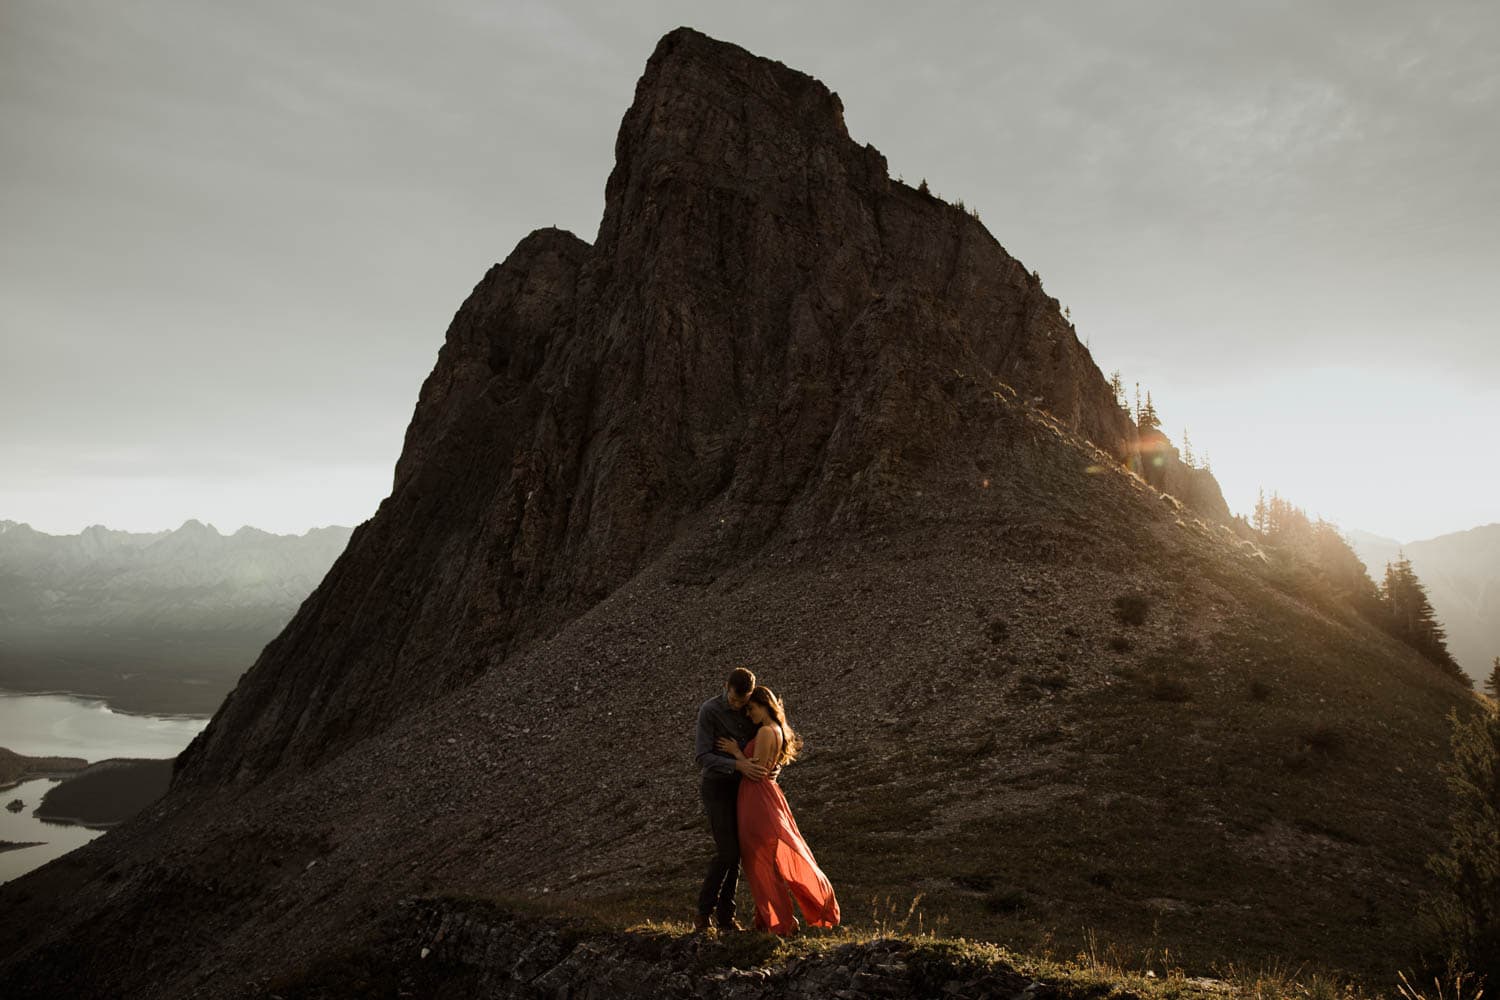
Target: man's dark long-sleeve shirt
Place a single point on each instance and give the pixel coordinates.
(715, 719)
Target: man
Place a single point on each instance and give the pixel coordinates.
(719, 786)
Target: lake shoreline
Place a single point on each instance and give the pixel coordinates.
(75, 821)
(105, 699)
(16, 767)
(79, 768)
(16, 845)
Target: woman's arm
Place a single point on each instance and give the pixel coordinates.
(742, 764)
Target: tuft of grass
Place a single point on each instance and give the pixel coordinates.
(1052, 682)
(738, 951)
(1132, 608)
(1464, 986)
(1325, 738)
(974, 881)
(887, 920)
(1296, 760)
(1005, 901)
(1168, 689)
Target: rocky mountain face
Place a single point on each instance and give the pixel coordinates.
(189, 578)
(789, 413)
(766, 323)
(1461, 571)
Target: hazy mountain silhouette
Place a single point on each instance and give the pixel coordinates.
(1461, 571)
(135, 616)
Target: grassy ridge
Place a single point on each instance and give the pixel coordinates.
(472, 946)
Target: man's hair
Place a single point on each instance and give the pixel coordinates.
(741, 681)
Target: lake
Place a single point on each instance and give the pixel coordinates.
(62, 725)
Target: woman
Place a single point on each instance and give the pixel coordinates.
(773, 854)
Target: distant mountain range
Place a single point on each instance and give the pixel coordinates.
(155, 622)
(1462, 574)
(190, 577)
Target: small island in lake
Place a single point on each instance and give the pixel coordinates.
(107, 792)
(103, 793)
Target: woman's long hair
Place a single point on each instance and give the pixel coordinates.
(790, 741)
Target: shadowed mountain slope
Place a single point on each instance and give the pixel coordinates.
(784, 412)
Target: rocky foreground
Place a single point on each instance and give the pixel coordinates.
(467, 948)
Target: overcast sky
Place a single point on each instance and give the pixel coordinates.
(233, 235)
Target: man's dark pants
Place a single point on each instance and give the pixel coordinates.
(719, 798)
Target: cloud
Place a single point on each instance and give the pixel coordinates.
(236, 233)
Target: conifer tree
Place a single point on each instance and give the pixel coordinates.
(1262, 512)
(1466, 907)
(1411, 619)
(1187, 449)
(1288, 525)
(1148, 418)
(1137, 413)
(1343, 571)
(1492, 683)
(1117, 384)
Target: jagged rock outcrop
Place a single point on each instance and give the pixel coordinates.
(766, 320)
(1161, 465)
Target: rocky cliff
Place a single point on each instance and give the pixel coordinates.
(766, 322)
(789, 413)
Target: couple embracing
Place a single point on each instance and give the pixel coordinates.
(743, 742)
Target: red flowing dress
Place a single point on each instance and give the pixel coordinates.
(777, 862)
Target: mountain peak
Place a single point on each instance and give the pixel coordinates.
(709, 114)
(767, 328)
(688, 63)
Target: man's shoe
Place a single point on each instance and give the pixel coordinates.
(728, 925)
(700, 923)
